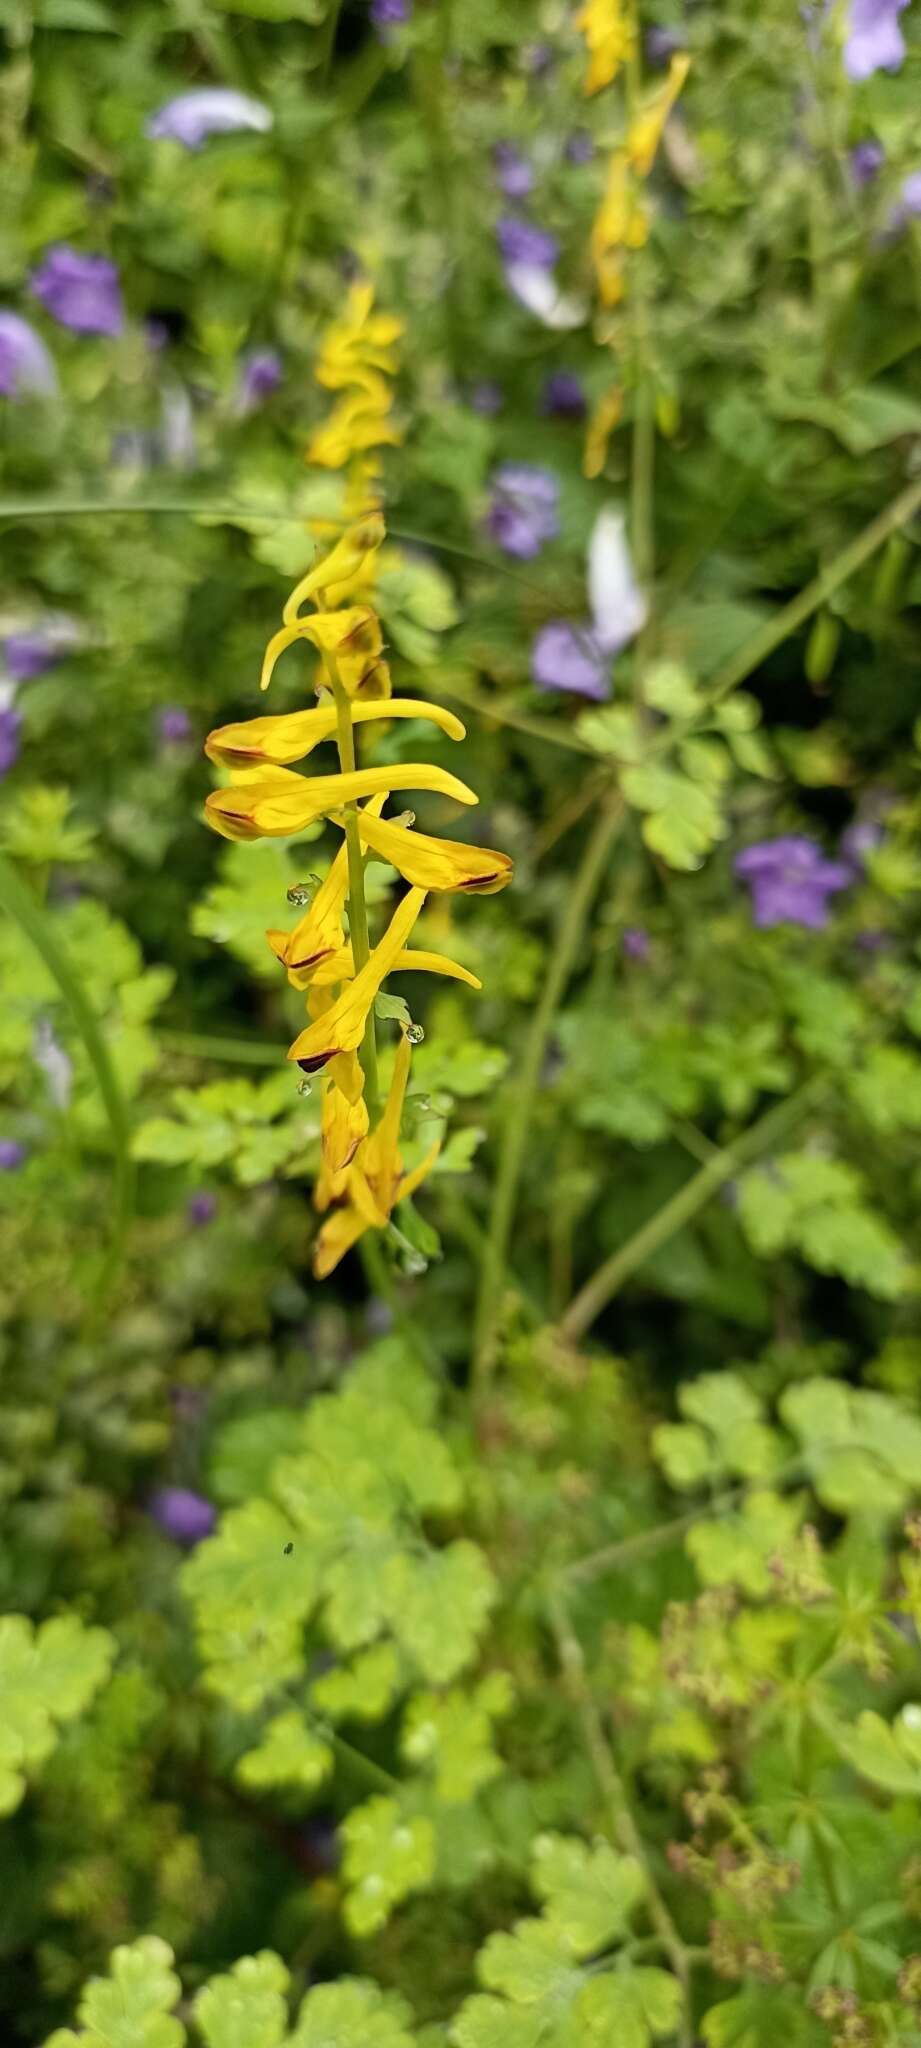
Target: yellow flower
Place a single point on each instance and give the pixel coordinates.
(357, 358)
(281, 803)
(339, 966)
(294, 734)
(435, 863)
(342, 1027)
(605, 417)
(620, 223)
(645, 132)
(609, 32)
(375, 1181)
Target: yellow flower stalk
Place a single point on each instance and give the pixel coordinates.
(621, 222)
(648, 126)
(361, 1175)
(610, 34)
(357, 359)
(606, 415)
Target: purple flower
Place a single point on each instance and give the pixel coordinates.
(635, 942)
(562, 395)
(513, 171)
(875, 41)
(12, 1155)
(790, 881)
(10, 725)
(82, 292)
(388, 14)
(25, 364)
(568, 657)
(859, 839)
(212, 110)
(174, 725)
(662, 44)
(521, 242)
(865, 160)
(201, 1208)
(580, 148)
(37, 648)
(523, 513)
(909, 206)
(486, 397)
(259, 376)
(182, 1514)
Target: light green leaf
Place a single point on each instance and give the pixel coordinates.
(889, 1757)
(451, 1734)
(352, 2013)
(385, 1857)
(290, 1753)
(629, 2008)
(589, 1892)
(247, 2007)
(363, 1690)
(130, 2008)
(437, 1605)
(47, 1676)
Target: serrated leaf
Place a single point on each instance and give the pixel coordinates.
(629, 2008)
(352, 2013)
(437, 1605)
(290, 1753)
(738, 1549)
(529, 1965)
(385, 1857)
(889, 1756)
(589, 1893)
(363, 1690)
(131, 2007)
(47, 1676)
(247, 2007)
(485, 2022)
(451, 1735)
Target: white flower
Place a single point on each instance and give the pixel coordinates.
(536, 287)
(619, 608)
(214, 110)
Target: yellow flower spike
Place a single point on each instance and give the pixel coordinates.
(611, 39)
(342, 562)
(353, 634)
(645, 133)
(375, 1182)
(342, 1028)
(344, 1121)
(435, 863)
(606, 415)
(620, 223)
(292, 735)
(272, 810)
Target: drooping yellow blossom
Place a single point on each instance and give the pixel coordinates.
(646, 130)
(375, 1181)
(621, 222)
(610, 34)
(340, 971)
(605, 416)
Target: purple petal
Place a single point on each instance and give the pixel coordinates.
(513, 171)
(12, 1155)
(82, 292)
(875, 41)
(521, 242)
(568, 657)
(185, 1516)
(214, 110)
(25, 364)
(10, 727)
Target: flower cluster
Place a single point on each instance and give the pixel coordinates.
(357, 360)
(362, 1175)
(622, 220)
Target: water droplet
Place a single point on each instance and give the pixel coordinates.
(415, 1034)
(406, 819)
(301, 894)
(304, 1087)
(422, 1104)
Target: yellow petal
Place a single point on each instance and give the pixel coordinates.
(270, 810)
(343, 561)
(380, 1161)
(339, 1233)
(294, 734)
(412, 1181)
(434, 963)
(343, 1123)
(436, 863)
(342, 1028)
(645, 133)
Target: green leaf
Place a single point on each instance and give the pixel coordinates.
(530, 1965)
(667, 687)
(290, 1753)
(47, 1676)
(485, 2022)
(247, 2007)
(629, 2008)
(888, 1757)
(385, 1858)
(812, 1205)
(437, 1605)
(130, 2008)
(451, 1734)
(352, 2013)
(684, 822)
(738, 1550)
(361, 1691)
(589, 1894)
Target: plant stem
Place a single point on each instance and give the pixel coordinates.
(615, 1556)
(514, 1136)
(623, 1826)
(358, 909)
(610, 1277)
(793, 615)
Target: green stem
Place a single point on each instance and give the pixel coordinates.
(793, 615)
(328, 39)
(514, 1137)
(358, 909)
(617, 1556)
(611, 1785)
(610, 1277)
(18, 900)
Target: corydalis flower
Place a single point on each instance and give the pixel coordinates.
(524, 512)
(790, 880)
(219, 110)
(874, 40)
(185, 1516)
(82, 292)
(25, 365)
(513, 171)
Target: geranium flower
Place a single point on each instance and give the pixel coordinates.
(212, 110)
(25, 365)
(524, 510)
(513, 171)
(185, 1516)
(874, 40)
(577, 657)
(82, 292)
(790, 880)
